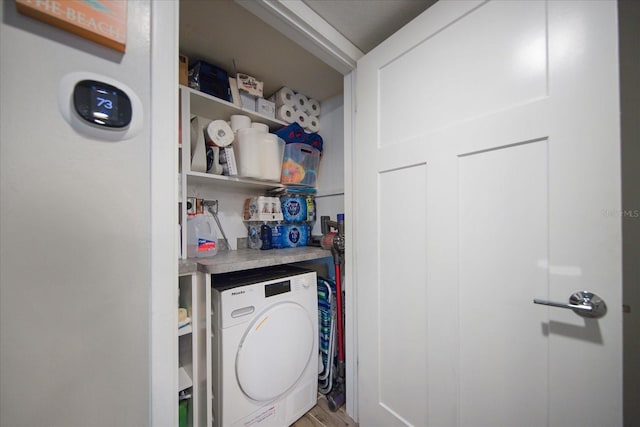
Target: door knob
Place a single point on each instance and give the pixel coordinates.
(583, 303)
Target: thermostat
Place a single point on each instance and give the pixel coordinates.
(99, 107)
(102, 104)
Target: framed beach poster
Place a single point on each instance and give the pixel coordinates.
(103, 21)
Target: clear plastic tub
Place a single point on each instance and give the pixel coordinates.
(300, 165)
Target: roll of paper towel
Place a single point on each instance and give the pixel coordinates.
(302, 119)
(314, 124)
(240, 121)
(284, 96)
(219, 133)
(313, 107)
(286, 113)
(300, 102)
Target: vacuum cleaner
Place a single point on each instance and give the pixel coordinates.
(334, 388)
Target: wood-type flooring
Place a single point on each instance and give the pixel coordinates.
(321, 416)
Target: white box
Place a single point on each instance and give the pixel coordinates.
(249, 84)
(262, 208)
(248, 101)
(266, 107)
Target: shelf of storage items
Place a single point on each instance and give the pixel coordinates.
(196, 103)
(205, 105)
(191, 344)
(199, 178)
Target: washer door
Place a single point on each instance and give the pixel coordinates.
(275, 351)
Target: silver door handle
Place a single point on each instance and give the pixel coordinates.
(583, 303)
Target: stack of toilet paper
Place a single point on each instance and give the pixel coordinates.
(297, 107)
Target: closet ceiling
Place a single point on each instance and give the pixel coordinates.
(227, 35)
(366, 23)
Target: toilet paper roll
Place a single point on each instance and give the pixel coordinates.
(284, 96)
(219, 133)
(314, 124)
(313, 107)
(261, 127)
(239, 121)
(300, 102)
(302, 119)
(286, 113)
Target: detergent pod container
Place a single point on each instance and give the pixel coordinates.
(202, 241)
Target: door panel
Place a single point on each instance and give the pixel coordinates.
(502, 224)
(403, 296)
(508, 152)
(486, 70)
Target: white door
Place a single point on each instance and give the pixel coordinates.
(487, 175)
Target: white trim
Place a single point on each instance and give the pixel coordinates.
(302, 24)
(351, 315)
(164, 265)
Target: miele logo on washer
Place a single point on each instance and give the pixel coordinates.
(240, 292)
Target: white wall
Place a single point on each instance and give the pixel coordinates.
(164, 216)
(230, 208)
(74, 236)
(330, 185)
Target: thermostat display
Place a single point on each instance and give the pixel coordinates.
(100, 107)
(102, 104)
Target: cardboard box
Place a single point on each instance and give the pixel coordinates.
(266, 107)
(249, 84)
(183, 70)
(262, 208)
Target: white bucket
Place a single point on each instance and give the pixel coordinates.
(259, 154)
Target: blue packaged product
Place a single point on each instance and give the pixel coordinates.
(209, 79)
(289, 236)
(294, 133)
(294, 208)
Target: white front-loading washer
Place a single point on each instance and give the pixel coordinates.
(263, 347)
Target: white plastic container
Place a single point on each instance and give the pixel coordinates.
(259, 154)
(260, 126)
(202, 241)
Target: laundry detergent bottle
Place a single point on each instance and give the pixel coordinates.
(202, 241)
